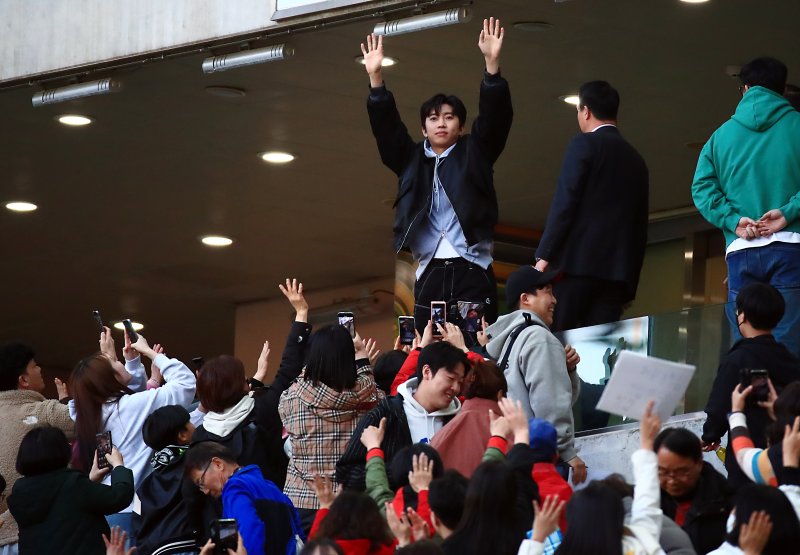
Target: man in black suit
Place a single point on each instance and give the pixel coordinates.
(596, 229)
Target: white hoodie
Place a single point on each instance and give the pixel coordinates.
(422, 424)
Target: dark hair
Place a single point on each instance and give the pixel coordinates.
(44, 449)
(441, 355)
(485, 381)
(14, 358)
(787, 408)
(434, 104)
(489, 522)
(386, 368)
(446, 497)
(785, 534)
(401, 463)
(680, 441)
(618, 483)
(762, 305)
(792, 94)
(331, 357)
(595, 516)
(322, 546)
(355, 516)
(601, 98)
(161, 428)
(221, 383)
(201, 454)
(765, 72)
(92, 384)
(424, 547)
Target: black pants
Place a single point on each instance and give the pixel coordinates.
(587, 301)
(307, 517)
(450, 280)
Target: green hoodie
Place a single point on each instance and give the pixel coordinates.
(751, 164)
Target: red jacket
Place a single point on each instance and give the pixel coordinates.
(550, 482)
(409, 368)
(350, 547)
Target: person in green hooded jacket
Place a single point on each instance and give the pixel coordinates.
(747, 183)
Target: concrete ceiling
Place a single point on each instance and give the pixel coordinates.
(123, 201)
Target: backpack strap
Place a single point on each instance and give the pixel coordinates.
(503, 364)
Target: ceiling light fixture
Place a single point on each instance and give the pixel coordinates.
(216, 241)
(424, 21)
(247, 58)
(136, 326)
(226, 92)
(20, 206)
(570, 99)
(387, 61)
(71, 92)
(276, 157)
(694, 1)
(74, 120)
(533, 26)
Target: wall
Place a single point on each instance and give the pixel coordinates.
(270, 320)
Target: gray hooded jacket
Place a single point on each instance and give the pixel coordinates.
(537, 375)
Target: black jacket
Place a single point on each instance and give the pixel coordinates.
(597, 223)
(351, 469)
(163, 525)
(466, 173)
(64, 512)
(708, 513)
(761, 352)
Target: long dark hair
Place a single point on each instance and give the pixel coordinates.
(596, 517)
(355, 516)
(489, 521)
(92, 384)
(785, 535)
(331, 357)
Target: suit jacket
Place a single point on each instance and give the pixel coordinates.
(597, 224)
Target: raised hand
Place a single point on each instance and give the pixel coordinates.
(372, 437)
(324, 489)
(371, 346)
(61, 388)
(498, 425)
(517, 419)
(771, 222)
(791, 444)
(739, 398)
(155, 371)
(373, 59)
(482, 336)
(754, 534)
(545, 518)
(107, 344)
(116, 544)
(419, 528)
(127, 350)
(649, 427)
(293, 291)
(427, 335)
(421, 473)
(263, 363)
(491, 42)
(452, 334)
(399, 526)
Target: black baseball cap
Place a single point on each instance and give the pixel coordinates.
(527, 279)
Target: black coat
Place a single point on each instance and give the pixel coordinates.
(597, 223)
(761, 352)
(708, 513)
(64, 512)
(466, 174)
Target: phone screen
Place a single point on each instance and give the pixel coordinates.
(346, 320)
(438, 315)
(224, 534)
(104, 445)
(471, 316)
(406, 326)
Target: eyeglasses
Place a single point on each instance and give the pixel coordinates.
(677, 474)
(200, 482)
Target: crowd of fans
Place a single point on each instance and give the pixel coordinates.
(324, 461)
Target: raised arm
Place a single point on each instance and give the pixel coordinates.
(646, 514)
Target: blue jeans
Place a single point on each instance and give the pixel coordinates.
(777, 264)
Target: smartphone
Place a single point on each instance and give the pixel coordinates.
(104, 445)
(407, 329)
(759, 379)
(99, 320)
(438, 316)
(346, 319)
(132, 335)
(224, 535)
(471, 316)
(198, 362)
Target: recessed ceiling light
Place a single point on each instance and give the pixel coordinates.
(570, 99)
(136, 326)
(387, 61)
(694, 1)
(275, 157)
(74, 120)
(533, 26)
(216, 241)
(226, 92)
(19, 206)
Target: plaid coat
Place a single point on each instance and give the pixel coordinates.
(320, 421)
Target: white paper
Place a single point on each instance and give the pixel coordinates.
(637, 379)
